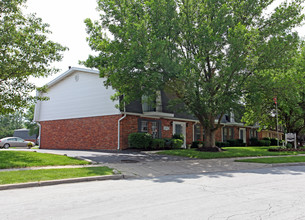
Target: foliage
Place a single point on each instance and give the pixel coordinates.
(227, 153)
(29, 121)
(253, 141)
(287, 85)
(25, 52)
(222, 144)
(16, 159)
(177, 143)
(168, 143)
(202, 52)
(289, 145)
(178, 136)
(139, 140)
(236, 143)
(9, 123)
(264, 143)
(157, 144)
(196, 143)
(9, 177)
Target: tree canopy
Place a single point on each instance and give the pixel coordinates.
(25, 51)
(287, 86)
(202, 51)
(9, 123)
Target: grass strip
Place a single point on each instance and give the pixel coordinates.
(9, 177)
(19, 159)
(272, 160)
(228, 152)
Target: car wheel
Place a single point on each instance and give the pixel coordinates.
(6, 146)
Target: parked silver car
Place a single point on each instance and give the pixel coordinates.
(15, 142)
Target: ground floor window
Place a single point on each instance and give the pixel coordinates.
(197, 132)
(253, 133)
(227, 133)
(152, 127)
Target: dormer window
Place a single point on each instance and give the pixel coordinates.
(152, 106)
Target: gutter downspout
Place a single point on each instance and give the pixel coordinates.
(39, 135)
(119, 133)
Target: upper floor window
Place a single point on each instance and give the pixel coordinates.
(152, 105)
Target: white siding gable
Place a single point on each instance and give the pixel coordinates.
(80, 94)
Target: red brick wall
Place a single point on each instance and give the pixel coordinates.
(95, 133)
(130, 125)
(82, 133)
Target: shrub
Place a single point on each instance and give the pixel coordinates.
(236, 142)
(157, 144)
(222, 144)
(240, 143)
(289, 145)
(196, 143)
(264, 143)
(254, 141)
(177, 143)
(168, 143)
(139, 140)
(232, 142)
(178, 136)
(266, 139)
(273, 141)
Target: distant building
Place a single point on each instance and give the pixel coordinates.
(25, 134)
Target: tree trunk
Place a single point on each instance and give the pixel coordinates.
(209, 128)
(209, 137)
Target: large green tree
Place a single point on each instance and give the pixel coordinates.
(29, 121)
(287, 86)
(25, 51)
(202, 51)
(9, 123)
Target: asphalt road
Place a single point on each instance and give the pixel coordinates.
(267, 193)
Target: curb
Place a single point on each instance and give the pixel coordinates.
(62, 181)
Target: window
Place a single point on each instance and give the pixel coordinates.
(152, 105)
(144, 126)
(197, 132)
(154, 129)
(228, 133)
(253, 133)
(150, 126)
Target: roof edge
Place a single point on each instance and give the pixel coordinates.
(69, 72)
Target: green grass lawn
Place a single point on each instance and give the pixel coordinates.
(228, 153)
(9, 177)
(17, 159)
(275, 160)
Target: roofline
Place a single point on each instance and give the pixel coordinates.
(69, 72)
(55, 81)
